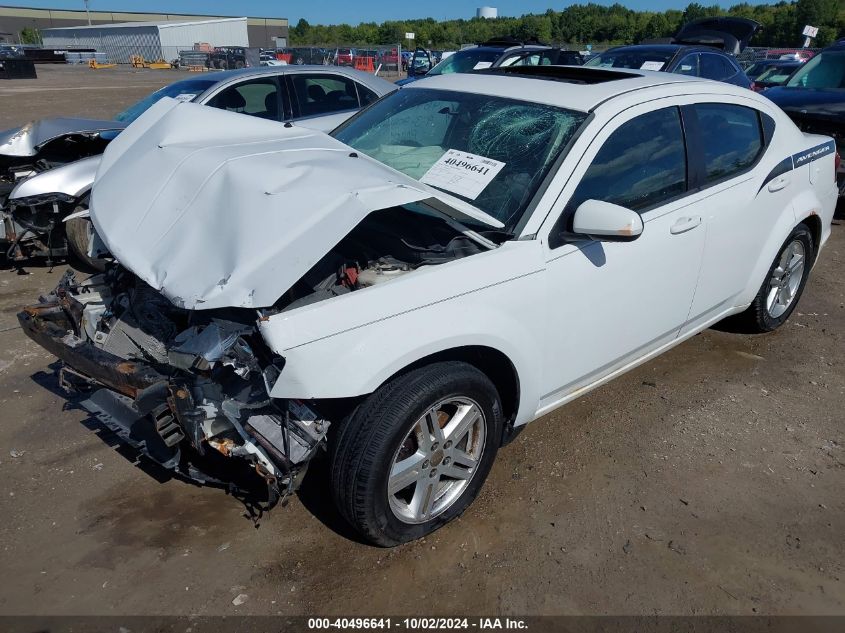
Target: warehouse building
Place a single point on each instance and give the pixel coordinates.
(151, 40)
(262, 32)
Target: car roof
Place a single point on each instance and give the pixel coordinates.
(505, 47)
(575, 87)
(368, 79)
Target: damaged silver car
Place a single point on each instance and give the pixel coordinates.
(47, 167)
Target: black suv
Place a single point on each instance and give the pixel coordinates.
(814, 97)
(702, 48)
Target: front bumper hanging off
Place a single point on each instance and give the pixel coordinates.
(154, 411)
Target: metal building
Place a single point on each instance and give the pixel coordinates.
(152, 40)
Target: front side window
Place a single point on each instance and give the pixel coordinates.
(318, 95)
(731, 138)
(825, 71)
(689, 65)
(412, 129)
(186, 90)
(641, 164)
(259, 98)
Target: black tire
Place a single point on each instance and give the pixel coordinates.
(372, 435)
(78, 231)
(757, 319)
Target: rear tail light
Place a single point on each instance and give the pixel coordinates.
(756, 87)
(837, 162)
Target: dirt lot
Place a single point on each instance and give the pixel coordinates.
(708, 481)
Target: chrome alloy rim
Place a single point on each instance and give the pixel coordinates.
(436, 460)
(786, 278)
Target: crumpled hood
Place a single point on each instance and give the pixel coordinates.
(27, 140)
(217, 209)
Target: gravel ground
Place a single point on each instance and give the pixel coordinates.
(708, 481)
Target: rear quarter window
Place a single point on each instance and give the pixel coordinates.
(731, 139)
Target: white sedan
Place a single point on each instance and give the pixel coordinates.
(457, 260)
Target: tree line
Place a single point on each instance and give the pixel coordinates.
(582, 24)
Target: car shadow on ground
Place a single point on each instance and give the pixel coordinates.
(315, 496)
(839, 214)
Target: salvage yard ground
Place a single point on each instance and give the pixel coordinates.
(707, 481)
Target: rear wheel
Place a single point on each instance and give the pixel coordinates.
(416, 452)
(783, 286)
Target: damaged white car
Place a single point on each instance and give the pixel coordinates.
(455, 261)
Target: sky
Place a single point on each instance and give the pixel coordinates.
(349, 11)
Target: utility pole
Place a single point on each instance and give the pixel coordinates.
(88, 15)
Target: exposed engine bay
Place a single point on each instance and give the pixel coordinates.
(385, 246)
(188, 387)
(34, 227)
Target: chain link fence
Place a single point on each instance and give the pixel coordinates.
(388, 61)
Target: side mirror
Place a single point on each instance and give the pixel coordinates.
(607, 222)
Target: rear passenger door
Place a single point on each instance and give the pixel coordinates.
(727, 142)
(611, 303)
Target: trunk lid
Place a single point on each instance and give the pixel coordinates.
(729, 34)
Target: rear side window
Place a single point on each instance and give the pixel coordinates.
(366, 95)
(642, 164)
(323, 94)
(731, 139)
(715, 67)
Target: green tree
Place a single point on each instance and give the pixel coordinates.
(30, 35)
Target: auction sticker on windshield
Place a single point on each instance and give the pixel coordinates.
(464, 174)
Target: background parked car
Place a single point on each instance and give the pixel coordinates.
(702, 48)
(814, 97)
(344, 57)
(775, 75)
(228, 57)
(758, 67)
(494, 54)
(48, 181)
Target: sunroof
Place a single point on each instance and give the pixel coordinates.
(568, 74)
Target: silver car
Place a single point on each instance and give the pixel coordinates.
(47, 167)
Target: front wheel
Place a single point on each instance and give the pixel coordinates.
(79, 233)
(783, 285)
(414, 455)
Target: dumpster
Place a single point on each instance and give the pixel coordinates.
(17, 69)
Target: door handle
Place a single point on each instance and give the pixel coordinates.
(685, 224)
(778, 183)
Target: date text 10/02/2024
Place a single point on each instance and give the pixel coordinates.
(416, 623)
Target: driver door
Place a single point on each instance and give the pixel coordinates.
(612, 303)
